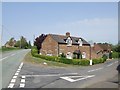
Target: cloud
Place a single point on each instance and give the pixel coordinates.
(96, 29)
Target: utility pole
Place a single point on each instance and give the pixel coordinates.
(33, 39)
(20, 41)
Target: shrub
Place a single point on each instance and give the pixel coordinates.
(115, 55)
(84, 62)
(104, 57)
(75, 61)
(62, 55)
(97, 61)
(62, 59)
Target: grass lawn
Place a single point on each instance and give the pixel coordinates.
(38, 61)
(8, 49)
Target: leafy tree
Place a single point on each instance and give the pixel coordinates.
(38, 41)
(22, 43)
(29, 44)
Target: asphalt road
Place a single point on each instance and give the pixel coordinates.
(34, 76)
(10, 62)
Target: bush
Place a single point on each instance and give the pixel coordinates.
(115, 55)
(84, 62)
(104, 57)
(62, 59)
(75, 61)
(97, 61)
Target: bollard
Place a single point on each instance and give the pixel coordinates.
(91, 62)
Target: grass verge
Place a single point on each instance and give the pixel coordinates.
(38, 61)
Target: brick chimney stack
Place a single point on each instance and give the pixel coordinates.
(67, 34)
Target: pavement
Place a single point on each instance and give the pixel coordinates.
(9, 62)
(19, 74)
(36, 76)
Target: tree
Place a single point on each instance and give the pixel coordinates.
(38, 41)
(22, 43)
(29, 44)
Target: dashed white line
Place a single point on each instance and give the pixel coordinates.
(110, 65)
(16, 73)
(11, 85)
(13, 80)
(95, 69)
(22, 85)
(22, 80)
(14, 77)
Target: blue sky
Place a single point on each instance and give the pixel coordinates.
(92, 21)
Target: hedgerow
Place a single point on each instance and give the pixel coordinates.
(82, 62)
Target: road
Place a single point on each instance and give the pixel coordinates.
(36, 76)
(10, 61)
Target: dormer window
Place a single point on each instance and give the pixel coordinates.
(80, 42)
(69, 41)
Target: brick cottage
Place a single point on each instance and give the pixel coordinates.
(77, 47)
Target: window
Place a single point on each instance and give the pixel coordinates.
(80, 42)
(69, 55)
(83, 55)
(69, 41)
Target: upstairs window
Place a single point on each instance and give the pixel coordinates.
(69, 41)
(80, 42)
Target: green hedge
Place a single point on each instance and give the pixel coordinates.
(115, 54)
(82, 62)
(97, 61)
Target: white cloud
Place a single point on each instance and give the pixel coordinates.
(96, 29)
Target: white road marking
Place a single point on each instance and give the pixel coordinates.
(110, 65)
(23, 77)
(51, 75)
(69, 78)
(21, 65)
(11, 85)
(13, 80)
(3, 58)
(16, 73)
(116, 61)
(19, 69)
(95, 69)
(12, 54)
(14, 77)
(22, 80)
(22, 85)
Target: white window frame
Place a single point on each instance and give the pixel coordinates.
(83, 54)
(80, 42)
(69, 41)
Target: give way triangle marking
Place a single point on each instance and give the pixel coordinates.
(70, 78)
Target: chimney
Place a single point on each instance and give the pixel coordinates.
(67, 34)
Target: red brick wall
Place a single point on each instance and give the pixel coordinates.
(49, 46)
(63, 48)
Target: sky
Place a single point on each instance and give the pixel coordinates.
(96, 21)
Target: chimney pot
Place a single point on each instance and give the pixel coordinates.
(67, 34)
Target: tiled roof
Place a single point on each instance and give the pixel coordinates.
(62, 39)
(105, 46)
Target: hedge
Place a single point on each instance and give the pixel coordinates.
(115, 55)
(64, 60)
